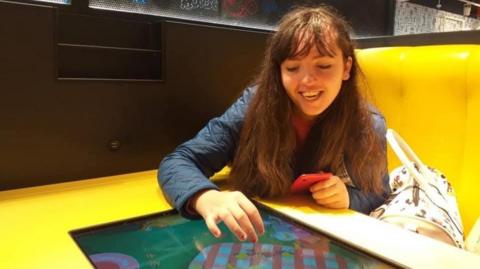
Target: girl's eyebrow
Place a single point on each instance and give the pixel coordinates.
(298, 58)
(321, 56)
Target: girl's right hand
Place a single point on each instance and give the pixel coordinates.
(234, 209)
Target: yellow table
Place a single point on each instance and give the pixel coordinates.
(34, 223)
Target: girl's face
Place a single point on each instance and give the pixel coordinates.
(313, 81)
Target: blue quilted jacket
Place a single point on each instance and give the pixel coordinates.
(186, 170)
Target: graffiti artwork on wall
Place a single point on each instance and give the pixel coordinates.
(199, 4)
(250, 13)
(238, 9)
(65, 2)
(265, 11)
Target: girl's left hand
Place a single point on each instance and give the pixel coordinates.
(331, 193)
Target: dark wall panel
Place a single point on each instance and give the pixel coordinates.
(59, 130)
(204, 67)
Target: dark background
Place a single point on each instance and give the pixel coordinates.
(87, 93)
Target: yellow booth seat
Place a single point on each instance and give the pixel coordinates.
(431, 96)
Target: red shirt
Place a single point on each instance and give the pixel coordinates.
(302, 127)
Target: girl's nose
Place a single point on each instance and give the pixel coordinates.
(308, 78)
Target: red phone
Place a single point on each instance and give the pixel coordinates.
(304, 181)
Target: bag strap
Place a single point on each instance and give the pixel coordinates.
(408, 158)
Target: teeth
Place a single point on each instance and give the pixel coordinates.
(310, 94)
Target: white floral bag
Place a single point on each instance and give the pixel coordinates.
(422, 199)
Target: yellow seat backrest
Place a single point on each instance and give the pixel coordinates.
(431, 96)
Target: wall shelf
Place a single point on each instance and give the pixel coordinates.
(103, 48)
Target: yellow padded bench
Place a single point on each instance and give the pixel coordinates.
(431, 96)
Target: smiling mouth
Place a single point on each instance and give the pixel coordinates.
(311, 95)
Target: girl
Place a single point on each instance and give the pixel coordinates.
(305, 115)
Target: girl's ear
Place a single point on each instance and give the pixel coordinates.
(346, 70)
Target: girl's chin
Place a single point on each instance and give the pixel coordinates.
(309, 111)
(310, 115)
(313, 112)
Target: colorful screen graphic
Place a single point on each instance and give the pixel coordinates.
(170, 241)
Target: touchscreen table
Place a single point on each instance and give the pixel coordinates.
(166, 240)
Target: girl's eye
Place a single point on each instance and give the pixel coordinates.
(324, 66)
(291, 69)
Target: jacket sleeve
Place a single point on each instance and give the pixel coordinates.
(186, 170)
(366, 202)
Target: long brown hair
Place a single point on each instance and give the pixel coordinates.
(265, 160)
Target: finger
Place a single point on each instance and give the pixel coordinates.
(244, 222)
(329, 201)
(324, 184)
(325, 201)
(324, 193)
(211, 222)
(253, 215)
(232, 225)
